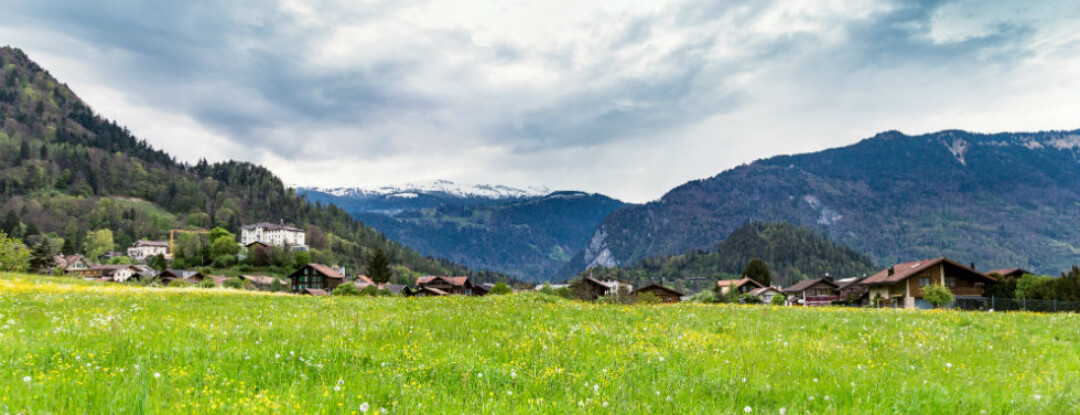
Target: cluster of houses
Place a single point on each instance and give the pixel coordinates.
(899, 286)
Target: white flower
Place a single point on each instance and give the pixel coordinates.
(743, 380)
(480, 375)
(157, 375)
(1038, 397)
(26, 379)
(815, 380)
(783, 411)
(748, 409)
(605, 404)
(513, 374)
(661, 358)
(596, 388)
(364, 407)
(948, 364)
(509, 393)
(826, 397)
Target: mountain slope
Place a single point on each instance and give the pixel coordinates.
(415, 196)
(65, 170)
(529, 239)
(999, 200)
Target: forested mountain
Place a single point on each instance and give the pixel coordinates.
(65, 170)
(792, 253)
(528, 237)
(1000, 200)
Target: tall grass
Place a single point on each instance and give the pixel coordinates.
(92, 348)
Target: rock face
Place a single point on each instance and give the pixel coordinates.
(1000, 200)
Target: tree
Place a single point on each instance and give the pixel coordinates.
(1027, 285)
(758, 271)
(158, 262)
(69, 245)
(41, 258)
(224, 245)
(301, 258)
(14, 256)
(378, 267)
(500, 288)
(346, 289)
(778, 300)
(98, 243)
(218, 233)
(937, 295)
(10, 225)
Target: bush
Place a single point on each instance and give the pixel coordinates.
(648, 298)
(207, 282)
(234, 283)
(370, 290)
(749, 299)
(778, 300)
(178, 284)
(706, 296)
(347, 289)
(500, 288)
(225, 261)
(938, 295)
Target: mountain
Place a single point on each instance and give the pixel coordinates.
(999, 200)
(526, 236)
(415, 196)
(67, 171)
(793, 253)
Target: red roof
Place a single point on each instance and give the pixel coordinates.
(738, 283)
(903, 271)
(327, 271)
(455, 281)
(804, 284)
(655, 286)
(758, 292)
(363, 279)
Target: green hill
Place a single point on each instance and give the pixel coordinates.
(65, 170)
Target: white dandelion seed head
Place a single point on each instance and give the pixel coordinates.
(157, 375)
(748, 409)
(26, 379)
(1038, 397)
(509, 393)
(783, 411)
(948, 364)
(364, 407)
(480, 375)
(337, 388)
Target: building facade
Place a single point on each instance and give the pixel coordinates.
(901, 285)
(143, 250)
(272, 234)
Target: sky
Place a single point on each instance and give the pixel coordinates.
(625, 98)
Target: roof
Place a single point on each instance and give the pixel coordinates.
(325, 270)
(655, 286)
(455, 281)
(260, 279)
(314, 291)
(363, 279)
(272, 226)
(804, 284)
(906, 270)
(393, 288)
(847, 282)
(757, 292)
(435, 291)
(1007, 271)
(738, 283)
(163, 244)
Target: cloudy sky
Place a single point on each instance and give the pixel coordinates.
(627, 98)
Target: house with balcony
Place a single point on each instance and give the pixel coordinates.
(901, 285)
(813, 292)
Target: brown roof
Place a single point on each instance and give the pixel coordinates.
(327, 271)
(314, 291)
(757, 292)
(655, 286)
(260, 279)
(363, 279)
(738, 283)
(432, 290)
(455, 281)
(906, 270)
(1007, 271)
(804, 284)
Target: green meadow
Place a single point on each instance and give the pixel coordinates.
(69, 346)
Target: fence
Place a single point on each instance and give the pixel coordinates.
(1015, 304)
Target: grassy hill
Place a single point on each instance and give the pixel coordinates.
(67, 171)
(73, 347)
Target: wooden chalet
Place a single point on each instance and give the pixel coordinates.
(814, 292)
(664, 294)
(264, 283)
(765, 294)
(742, 286)
(851, 290)
(901, 285)
(590, 288)
(117, 273)
(71, 263)
(171, 275)
(315, 276)
(448, 285)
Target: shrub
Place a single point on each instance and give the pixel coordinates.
(647, 298)
(347, 289)
(749, 299)
(705, 296)
(234, 283)
(778, 300)
(938, 295)
(225, 261)
(178, 284)
(370, 290)
(207, 283)
(500, 288)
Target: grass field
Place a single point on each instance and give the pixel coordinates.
(74, 347)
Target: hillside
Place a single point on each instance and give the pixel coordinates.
(65, 170)
(530, 239)
(999, 200)
(792, 253)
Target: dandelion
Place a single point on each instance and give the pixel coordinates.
(480, 375)
(513, 374)
(340, 382)
(605, 404)
(157, 375)
(815, 380)
(364, 407)
(748, 409)
(743, 380)
(1038, 397)
(783, 411)
(27, 380)
(509, 393)
(337, 388)
(948, 365)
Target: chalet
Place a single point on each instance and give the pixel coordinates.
(429, 292)
(589, 288)
(815, 292)
(199, 277)
(143, 250)
(116, 273)
(1008, 272)
(449, 285)
(171, 275)
(901, 285)
(362, 281)
(664, 294)
(742, 286)
(71, 263)
(265, 283)
(272, 234)
(765, 294)
(851, 290)
(315, 276)
(396, 289)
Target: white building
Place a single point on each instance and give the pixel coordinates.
(143, 250)
(271, 234)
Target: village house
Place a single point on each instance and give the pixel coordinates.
(448, 285)
(143, 250)
(429, 292)
(664, 294)
(315, 276)
(765, 294)
(71, 263)
(171, 275)
(272, 234)
(813, 292)
(116, 273)
(901, 285)
(265, 283)
(742, 286)
(589, 288)
(196, 277)
(851, 290)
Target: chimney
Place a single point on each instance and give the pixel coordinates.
(972, 265)
(892, 270)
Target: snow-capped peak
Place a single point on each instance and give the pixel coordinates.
(444, 187)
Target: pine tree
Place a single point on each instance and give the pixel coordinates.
(378, 267)
(41, 257)
(758, 271)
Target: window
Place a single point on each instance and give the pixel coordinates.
(924, 281)
(950, 281)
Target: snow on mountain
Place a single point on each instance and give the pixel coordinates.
(443, 187)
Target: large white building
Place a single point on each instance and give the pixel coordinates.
(272, 234)
(143, 250)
